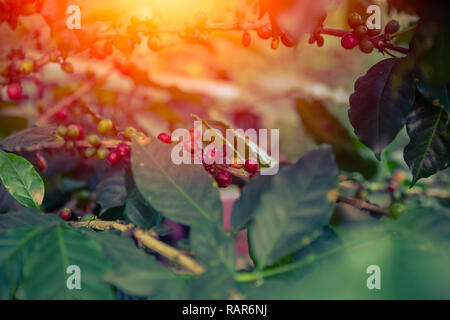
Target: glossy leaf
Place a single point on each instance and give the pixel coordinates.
(212, 245)
(27, 218)
(380, 104)
(139, 212)
(144, 280)
(324, 127)
(182, 193)
(111, 191)
(15, 246)
(412, 254)
(21, 180)
(45, 272)
(429, 148)
(27, 138)
(279, 227)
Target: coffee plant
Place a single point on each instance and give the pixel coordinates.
(87, 117)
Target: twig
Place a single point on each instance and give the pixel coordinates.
(66, 101)
(361, 204)
(167, 251)
(109, 144)
(148, 240)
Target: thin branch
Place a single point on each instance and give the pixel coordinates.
(363, 205)
(66, 101)
(109, 144)
(169, 252)
(147, 239)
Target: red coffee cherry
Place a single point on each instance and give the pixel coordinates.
(14, 91)
(223, 179)
(251, 165)
(123, 149)
(246, 39)
(354, 20)
(65, 214)
(320, 41)
(361, 31)
(349, 41)
(62, 115)
(210, 157)
(41, 162)
(113, 157)
(366, 46)
(374, 32)
(392, 27)
(265, 32)
(288, 40)
(165, 137)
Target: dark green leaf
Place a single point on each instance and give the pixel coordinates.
(21, 180)
(27, 218)
(380, 104)
(182, 193)
(45, 270)
(324, 127)
(15, 247)
(144, 280)
(139, 212)
(245, 206)
(429, 148)
(295, 205)
(412, 254)
(29, 137)
(211, 245)
(111, 191)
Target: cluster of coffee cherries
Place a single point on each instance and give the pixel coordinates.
(73, 131)
(265, 32)
(210, 158)
(15, 67)
(195, 30)
(367, 39)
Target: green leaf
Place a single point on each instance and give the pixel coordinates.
(15, 247)
(120, 250)
(380, 104)
(143, 280)
(324, 127)
(182, 193)
(27, 218)
(45, 270)
(429, 148)
(437, 94)
(27, 138)
(111, 191)
(212, 245)
(412, 253)
(245, 207)
(293, 207)
(139, 212)
(21, 180)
